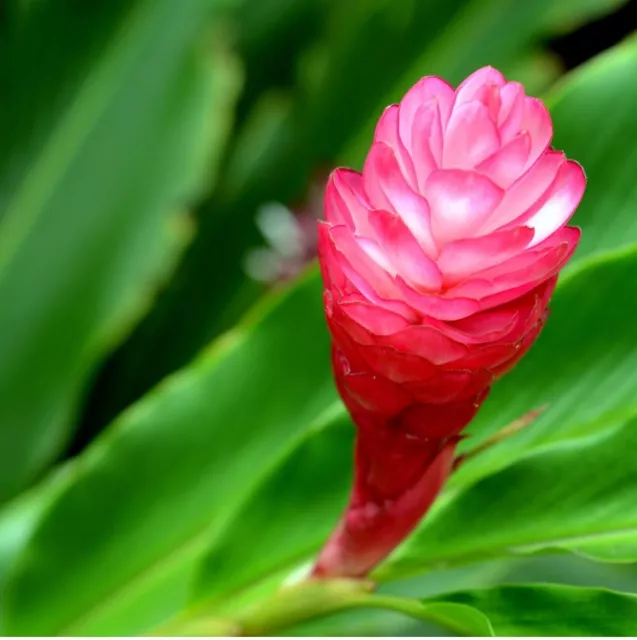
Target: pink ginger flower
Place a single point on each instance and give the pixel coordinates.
(439, 261)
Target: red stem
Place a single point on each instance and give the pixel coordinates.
(398, 476)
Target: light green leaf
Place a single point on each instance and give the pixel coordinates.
(293, 605)
(594, 123)
(616, 546)
(515, 610)
(398, 617)
(91, 175)
(572, 492)
(18, 520)
(300, 498)
(587, 381)
(551, 610)
(456, 617)
(116, 552)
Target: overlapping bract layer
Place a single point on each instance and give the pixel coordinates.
(439, 261)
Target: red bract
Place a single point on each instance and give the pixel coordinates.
(438, 263)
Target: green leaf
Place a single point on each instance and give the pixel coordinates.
(116, 552)
(551, 610)
(582, 103)
(138, 102)
(299, 499)
(313, 599)
(514, 610)
(566, 494)
(588, 382)
(565, 569)
(18, 520)
(616, 546)
(456, 617)
(568, 16)
(396, 618)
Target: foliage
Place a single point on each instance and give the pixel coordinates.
(168, 459)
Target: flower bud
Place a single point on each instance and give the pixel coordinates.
(438, 261)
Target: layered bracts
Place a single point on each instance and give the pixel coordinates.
(438, 262)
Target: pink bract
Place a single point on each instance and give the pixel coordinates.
(439, 261)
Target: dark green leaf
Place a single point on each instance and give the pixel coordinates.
(586, 378)
(116, 552)
(572, 492)
(300, 501)
(581, 105)
(92, 174)
(551, 610)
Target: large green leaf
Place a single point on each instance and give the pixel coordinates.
(572, 492)
(565, 569)
(513, 610)
(290, 606)
(138, 100)
(19, 518)
(594, 123)
(616, 546)
(586, 379)
(300, 500)
(116, 552)
(551, 610)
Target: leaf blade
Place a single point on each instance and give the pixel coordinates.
(86, 242)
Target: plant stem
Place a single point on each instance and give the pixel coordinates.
(307, 600)
(283, 609)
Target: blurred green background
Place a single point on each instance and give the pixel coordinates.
(169, 430)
